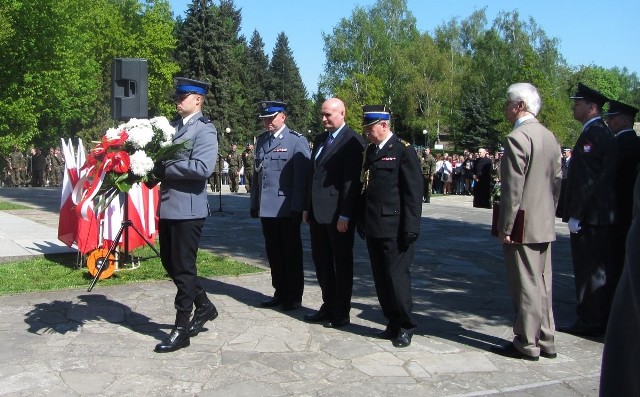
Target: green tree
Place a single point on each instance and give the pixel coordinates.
(286, 85)
(257, 70)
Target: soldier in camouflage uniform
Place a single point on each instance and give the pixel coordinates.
(48, 172)
(234, 159)
(16, 161)
(428, 165)
(248, 164)
(58, 165)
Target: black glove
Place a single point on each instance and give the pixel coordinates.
(296, 217)
(151, 183)
(255, 213)
(158, 170)
(406, 240)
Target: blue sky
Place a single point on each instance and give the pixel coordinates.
(571, 21)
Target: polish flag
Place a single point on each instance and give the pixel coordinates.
(71, 228)
(143, 205)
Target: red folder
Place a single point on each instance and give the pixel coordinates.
(517, 232)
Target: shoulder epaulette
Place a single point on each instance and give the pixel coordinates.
(204, 120)
(402, 141)
(296, 133)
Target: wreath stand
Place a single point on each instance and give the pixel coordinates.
(104, 262)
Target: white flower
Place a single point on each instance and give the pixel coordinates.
(113, 133)
(141, 164)
(140, 135)
(162, 123)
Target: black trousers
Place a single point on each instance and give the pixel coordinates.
(179, 240)
(332, 254)
(594, 273)
(392, 278)
(284, 251)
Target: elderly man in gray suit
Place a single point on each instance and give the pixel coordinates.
(531, 177)
(183, 210)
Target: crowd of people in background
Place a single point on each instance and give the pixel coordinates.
(32, 168)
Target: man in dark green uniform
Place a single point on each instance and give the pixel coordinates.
(428, 165)
(248, 164)
(235, 162)
(16, 161)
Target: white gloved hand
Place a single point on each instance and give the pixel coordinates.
(574, 225)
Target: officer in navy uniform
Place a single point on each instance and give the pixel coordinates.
(620, 118)
(589, 209)
(392, 211)
(278, 198)
(183, 209)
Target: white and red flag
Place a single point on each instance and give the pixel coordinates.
(143, 204)
(72, 228)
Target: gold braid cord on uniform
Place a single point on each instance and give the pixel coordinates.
(364, 173)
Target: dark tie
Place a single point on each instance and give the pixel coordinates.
(329, 139)
(271, 139)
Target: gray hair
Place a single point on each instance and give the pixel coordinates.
(526, 93)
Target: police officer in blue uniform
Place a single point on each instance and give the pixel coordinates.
(183, 209)
(392, 192)
(278, 198)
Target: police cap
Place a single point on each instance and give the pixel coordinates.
(190, 86)
(270, 108)
(371, 114)
(616, 107)
(589, 94)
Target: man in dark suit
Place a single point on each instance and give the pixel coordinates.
(589, 209)
(621, 355)
(334, 188)
(530, 177)
(183, 210)
(392, 206)
(278, 198)
(482, 180)
(620, 118)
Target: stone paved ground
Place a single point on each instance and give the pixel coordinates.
(74, 343)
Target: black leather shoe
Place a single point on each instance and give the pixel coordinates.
(177, 339)
(509, 350)
(273, 302)
(317, 317)
(288, 306)
(200, 317)
(548, 355)
(579, 329)
(403, 339)
(339, 323)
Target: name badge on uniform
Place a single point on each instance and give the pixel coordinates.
(388, 159)
(587, 148)
(280, 150)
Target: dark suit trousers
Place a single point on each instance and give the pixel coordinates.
(332, 253)
(591, 251)
(179, 240)
(284, 251)
(392, 278)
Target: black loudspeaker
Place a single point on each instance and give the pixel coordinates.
(129, 88)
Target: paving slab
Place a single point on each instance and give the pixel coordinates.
(74, 343)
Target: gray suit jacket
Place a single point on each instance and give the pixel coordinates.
(183, 191)
(531, 172)
(279, 184)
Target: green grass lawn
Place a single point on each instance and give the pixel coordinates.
(6, 206)
(61, 272)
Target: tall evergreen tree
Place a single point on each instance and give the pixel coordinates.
(257, 69)
(286, 85)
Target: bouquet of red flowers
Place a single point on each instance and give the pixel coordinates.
(124, 156)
